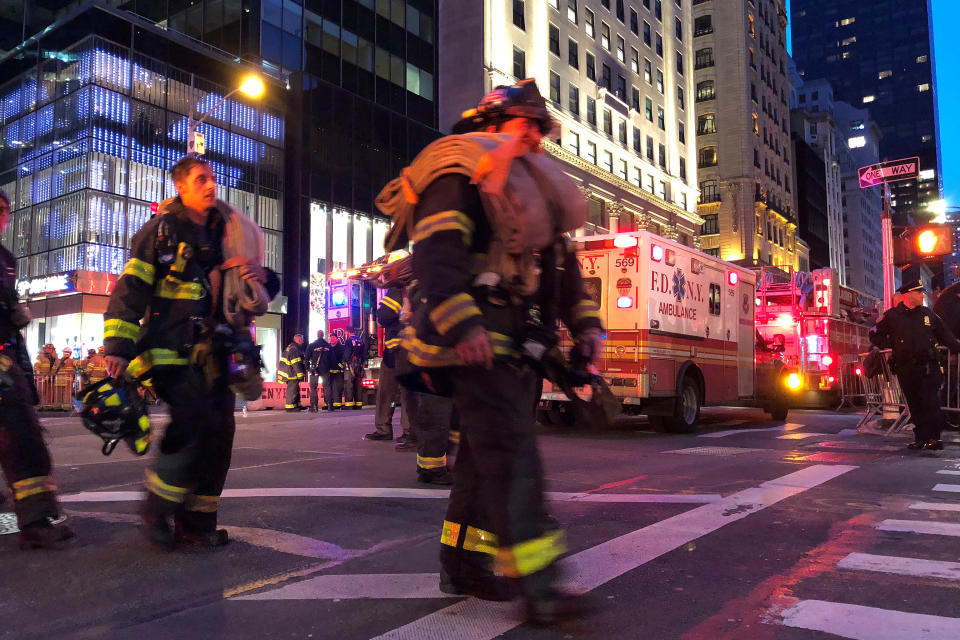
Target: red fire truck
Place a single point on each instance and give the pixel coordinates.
(813, 326)
(680, 331)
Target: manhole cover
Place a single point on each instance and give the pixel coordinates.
(715, 451)
(8, 523)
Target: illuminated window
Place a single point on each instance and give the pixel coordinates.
(847, 21)
(857, 142)
(868, 99)
(922, 59)
(848, 41)
(361, 233)
(886, 73)
(923, 87)
(340, 238)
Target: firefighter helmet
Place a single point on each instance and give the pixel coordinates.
(522, 100)
(115, 411)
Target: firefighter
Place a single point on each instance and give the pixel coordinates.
(94, 367)
(64, 374)
(331, 368)
(24, 457)
(311, 358)
(494, 275)
(43, 369)
(181, 347)
(913, 332)
(354, 361)
(291, 372)
(388, 390)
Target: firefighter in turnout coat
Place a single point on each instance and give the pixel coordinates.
(291, 371)
(493, 275)
(171, 286)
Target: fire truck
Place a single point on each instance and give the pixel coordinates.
(813, 326)
(680, 331)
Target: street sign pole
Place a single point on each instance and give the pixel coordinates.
(887, 231)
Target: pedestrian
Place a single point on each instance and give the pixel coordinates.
(331, 368)
(388, 389)
(312, 356)
(291, 372)
(184, 348)
(913, 332)
(24, 456)
(355, 356)
(486, 215)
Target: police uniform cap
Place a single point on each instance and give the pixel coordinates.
(913, 285)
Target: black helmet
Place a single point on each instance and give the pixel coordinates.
(115, 411)
(522, 100)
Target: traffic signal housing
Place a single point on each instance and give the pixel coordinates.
(921, 243)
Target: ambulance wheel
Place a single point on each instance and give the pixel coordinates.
(686, 409)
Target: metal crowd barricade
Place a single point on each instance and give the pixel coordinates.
(883, 396)
(56, 394)
(951, 385)
(853, 390)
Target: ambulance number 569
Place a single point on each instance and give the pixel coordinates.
(623, 263)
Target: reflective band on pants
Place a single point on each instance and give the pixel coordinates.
(431, 463)
(201, 504)
(450, 534)
(32, 486)
(480, 541)
(166, 491)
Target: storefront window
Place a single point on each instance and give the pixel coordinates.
(361, 233)
(341, 229)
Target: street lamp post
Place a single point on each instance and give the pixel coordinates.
(252, 86)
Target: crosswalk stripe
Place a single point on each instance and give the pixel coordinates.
(916, 567)
(949, 472)
(868, 623)
(921, 526)
(364, 586)
(936, 506)
(474, 619)
(949, 488)
(790, 426)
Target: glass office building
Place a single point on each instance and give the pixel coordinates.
(88, 132)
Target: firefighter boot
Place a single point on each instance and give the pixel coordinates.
(155, 513)
(547, 603)
(200, 529)
(435, 476)
(464, 573)
(44, 534)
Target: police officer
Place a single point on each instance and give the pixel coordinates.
(492, 267)
(913, 332)
(291, 372)
(315, 351)
(388, 390)
(331, 368)
(174, 263)
(355, 355)
(24, 457)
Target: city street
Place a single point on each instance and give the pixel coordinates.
(746, 529)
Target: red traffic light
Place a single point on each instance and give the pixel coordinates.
(923, 242)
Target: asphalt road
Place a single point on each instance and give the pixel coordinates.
(747, 529)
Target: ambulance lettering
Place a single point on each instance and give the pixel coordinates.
(680, 288)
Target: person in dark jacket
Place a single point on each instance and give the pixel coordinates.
(388, 389)
(292, 372)
(24, 457)
(355, 354)
(312, 356)
(331, 368)
(175, 261)
(947, 307)
(913, 331)
(480, 292)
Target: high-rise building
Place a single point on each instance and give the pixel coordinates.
(879, 55)
(617, 76)
(743, 132)
(94, 111)
(810, 178)
(813, 122)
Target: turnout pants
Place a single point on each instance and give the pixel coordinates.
(293, 394)
(388, 395)
(430, 419)
(352, 388)
(922, 392)
(333, 390)
(191, 466)
(313, 381)
(496, 517)
(23, 453)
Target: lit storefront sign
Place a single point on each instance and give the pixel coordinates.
(78, 281)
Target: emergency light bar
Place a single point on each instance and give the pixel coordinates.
(625, 242)
(656, 253)
(733, 278)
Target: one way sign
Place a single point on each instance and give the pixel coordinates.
(892, 171)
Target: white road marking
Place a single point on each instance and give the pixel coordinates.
(474, 619)
(365, 586)
(801, 436)
(868, 623)
(916, 567)
(790, 426)
(936, 506)
(848, 432)
(951, 488)
(921, 526)
(949, 472)
(373, 492)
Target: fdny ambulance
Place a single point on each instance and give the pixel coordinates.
(680, 329)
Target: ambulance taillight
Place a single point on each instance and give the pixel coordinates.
(656, 253)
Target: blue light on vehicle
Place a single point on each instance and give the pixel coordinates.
(338, 298)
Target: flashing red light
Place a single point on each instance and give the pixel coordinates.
(826, 360)
(368, 383)
(656, 253)
(154, 207)
(624, 302)
(733, 278)
(831, 379)
(858, 371)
